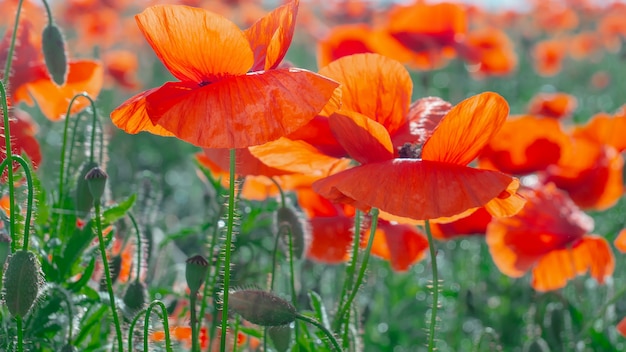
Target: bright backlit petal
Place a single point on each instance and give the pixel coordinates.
(194, 44)
(375, 86)
(364, 139)
(131, 116)
(270, 36)
(466, 129)
(413, 188)
(241, 111)
(246, 163)
(405, 244)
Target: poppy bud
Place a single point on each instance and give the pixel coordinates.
(84, 199)
(281, 337)
(135, 296)
(21, 282)
(195, 272)
(96, 182)
(262, 308)
(5, 247)
(289, 218)
(53, 46)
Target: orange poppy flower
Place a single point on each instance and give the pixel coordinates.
(612, 28)
(490, 51)
(549, 236)
(584, 45)
(228, 80)
(620, 241)
(473, 224)
(542, 143)
(121, 67)
(555, 105)
(332, 232)
(603, 128)
(548, 56)
(23, 141)
(30, 81)
(344, 40)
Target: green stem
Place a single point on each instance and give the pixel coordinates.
(138, 235)
(7, 139)
(280, 190)
(131, 328)
(272, 279)
(227, 248)
(433, 316)
(48, 11)
(292, 281)
(322, 328)
(366, 256)
(207, 279)
(235, 333)
(20, 334)
(7, 66)
(29, 202)
(195, 347)
(107, 274)
(350, 271)
(166, 327)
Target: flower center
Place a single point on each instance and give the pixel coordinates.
(410, 151)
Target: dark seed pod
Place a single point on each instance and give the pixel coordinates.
(21, 282)
(281, 337)
(84, 199)
(262, 308)
(195, 272)
(290, 222)
(135, 296)
(54, 54)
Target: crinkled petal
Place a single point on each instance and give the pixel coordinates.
(83, 77)
(592, 254)
(466, 129)
(375, 86)
(317, 133)
(241, 111)
(271, 35)
(423, 117)
(132, 117)
(194, 44)
(605, 129)
(296, 156)
(414, 188)
(364, 139)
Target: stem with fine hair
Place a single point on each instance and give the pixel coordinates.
(138, 234)
(107, 275)
(366, 256)
(7, 66)
(7, 139)
(29, 202)
(166, 327)
(350, 271)
(227, 247)
(48, 12)
(292, 280)
(433, 316)
(322, 328)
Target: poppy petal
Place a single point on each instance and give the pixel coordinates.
(507, 203)
(344, 40)
(375, 86)
(423, 117)
(83, 77)
(364, 139)
(620, 241)
(465, 129)
(247, 164)
(413, 188)
(317, 133)
(406, 245)
(605, 129)
(621, 327)
(241, 111)
(271, 35)
(296, 156)
(592, 254)
(331, 239)
(194, 44)
(132, 117)
(474, 224)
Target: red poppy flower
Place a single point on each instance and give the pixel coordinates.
(121, 67)
(549, 236)
(555, 105)
(432, 185)
(525, 144)
(548, 56)
(605, 129)
(490, 51)
(230, 93)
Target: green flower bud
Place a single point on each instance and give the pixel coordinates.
(195, 272)
(281, 337)
(291, 223)
(96, 181)
(84, 199)
(135, 296)
(54, 54)
(21, 282)
(262, 308)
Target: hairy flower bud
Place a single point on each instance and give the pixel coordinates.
(21, 282)
(262, 308)
(54, 54)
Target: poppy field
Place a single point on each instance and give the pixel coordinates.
(291, 175)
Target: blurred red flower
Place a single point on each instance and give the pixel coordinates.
(230, 93)
(555, 105)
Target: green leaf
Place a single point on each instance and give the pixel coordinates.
(84, 278)
(119, 210)
(319, 308)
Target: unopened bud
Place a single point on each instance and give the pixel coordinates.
(53, 46)
(262, 308)
(96, 181)
(281, 337)
(84, 199)
(21, 282)
(291, 223)
(195, 272)
(135, 296)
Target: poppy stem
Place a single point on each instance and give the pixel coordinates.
(351, 268)
(292, 280)
(107, 275)
(227, 247)
(7, 66)
(139, 239)
(194, 322)
(166, 328)
(280, 190)
(322, 328)
(433, 316)
(20, 333)
(29, 202)
(7, 140)
(210, 277)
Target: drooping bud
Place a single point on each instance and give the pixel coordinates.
(21, 282)
(96, 181)
(84, 199)
(135, 296)
(291, 223)
(262, 308)
(195, 272)
(54, 54)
